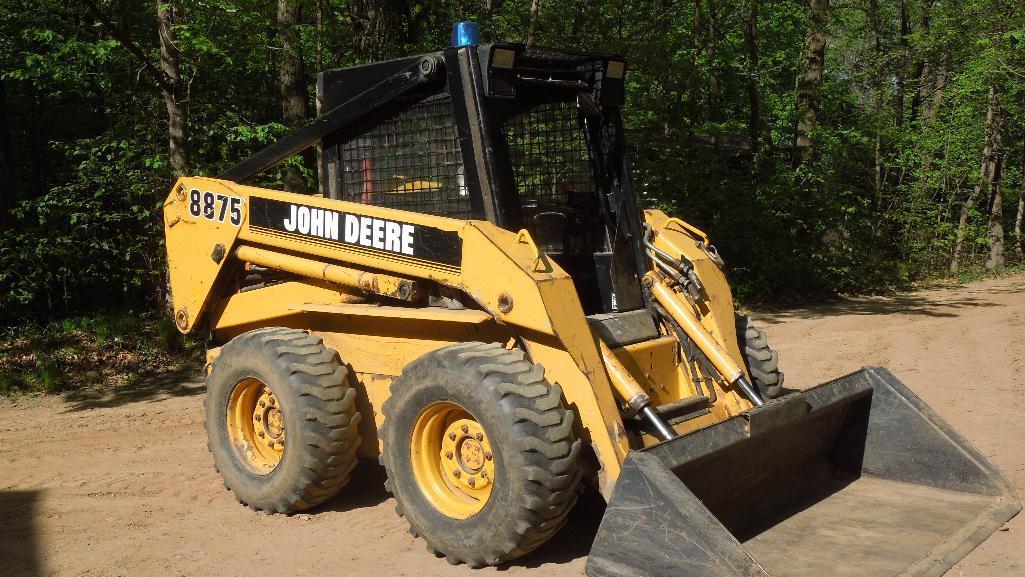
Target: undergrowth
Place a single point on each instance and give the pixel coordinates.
(108, 349)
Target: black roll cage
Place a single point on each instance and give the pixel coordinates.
(483, 93)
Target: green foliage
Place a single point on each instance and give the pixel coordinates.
(74, 239)
(89, 130)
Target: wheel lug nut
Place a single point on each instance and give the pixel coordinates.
(261, 433)
(270, 444)
(471, 481)
(457, 473)
(452, 436)
(480, 436)
(263, 404)
(483, 474)
(448, 454)
(258, 418)
(488, 456)
(465, 429)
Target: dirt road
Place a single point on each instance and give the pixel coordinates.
(122, 484)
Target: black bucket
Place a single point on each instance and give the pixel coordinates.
(856, 476)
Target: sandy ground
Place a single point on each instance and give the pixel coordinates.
(122, 484)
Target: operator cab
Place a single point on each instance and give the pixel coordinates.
(524, 137)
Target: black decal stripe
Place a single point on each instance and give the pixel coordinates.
(377, 253)
(441, 248)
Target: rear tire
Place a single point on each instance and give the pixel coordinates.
(290, 371)
(762, 362)
(528, 433)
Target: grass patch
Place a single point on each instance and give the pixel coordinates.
(100, 350)
(976, 273)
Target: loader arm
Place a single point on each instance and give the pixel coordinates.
(676, 237)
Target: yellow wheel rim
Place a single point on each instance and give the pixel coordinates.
(452, 460)
(256, 425)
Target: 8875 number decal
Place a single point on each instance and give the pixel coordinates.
(215, 207)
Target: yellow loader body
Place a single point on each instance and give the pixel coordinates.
(732, 458)
(380, 340)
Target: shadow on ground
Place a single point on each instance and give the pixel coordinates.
(365, 489)
(155, 387)
(574, 540)
(20, 554)
(907, 304)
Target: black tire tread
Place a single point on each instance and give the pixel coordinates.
(327, 405)
(546, 438)
(762, 361)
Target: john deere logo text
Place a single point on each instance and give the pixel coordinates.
(420, 243)
(362, 230)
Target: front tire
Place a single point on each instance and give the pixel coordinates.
(281, 420)
(762, 362)
(479, 411)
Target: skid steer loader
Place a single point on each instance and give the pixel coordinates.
(476, 299)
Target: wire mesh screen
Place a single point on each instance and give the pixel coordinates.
(552, 170)
(410, 161)
(550, 161)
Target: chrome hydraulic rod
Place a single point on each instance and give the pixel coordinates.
(715, 352)
(631, 393)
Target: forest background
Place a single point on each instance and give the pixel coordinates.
(827, 146)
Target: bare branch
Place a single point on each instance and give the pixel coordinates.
(162, 79)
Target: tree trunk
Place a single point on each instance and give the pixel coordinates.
(714, 91)
(177, 103)
(175, 95)
(6, 163)
(577, 25)
(167, 77)
(535, 5)
(923, 71)
(758, 129)
(697, 47)
(1019, 247)
(902, 65)
(932, 108)
(320, 36)
(985, 175)
(378, 27)
(176, 99)
(877, 109)
(292, 82)
(995, 235)
(810, 79)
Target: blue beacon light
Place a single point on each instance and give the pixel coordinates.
(465, 34)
